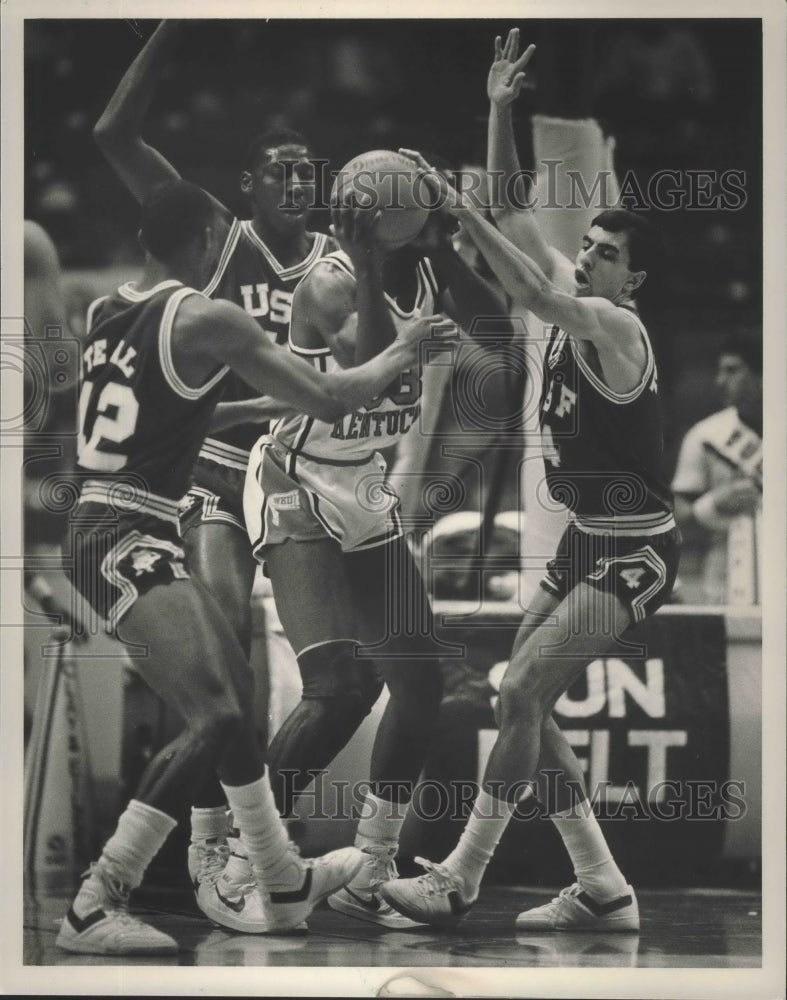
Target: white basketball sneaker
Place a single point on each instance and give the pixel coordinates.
(361, 898)
(227, 892)
(205, 856)
(436, 898)
(321, 877)
(574, 909)
(106, 927)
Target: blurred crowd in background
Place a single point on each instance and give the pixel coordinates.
(670, 92)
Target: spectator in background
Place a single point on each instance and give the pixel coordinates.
(718, 479)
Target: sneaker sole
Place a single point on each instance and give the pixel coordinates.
(623, 926)
(445, 921)
(397, 921)
(86, 948)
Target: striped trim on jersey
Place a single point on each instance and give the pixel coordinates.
(224, 454)
(224, 258)
(166, 360)
(126, 496)
(601, 387)
(130, 293)
(296, 448)
(626, 525)
(426, 282)
(342, 263)
(91, 311)
(286, 273)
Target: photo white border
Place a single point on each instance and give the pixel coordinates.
(520, 982)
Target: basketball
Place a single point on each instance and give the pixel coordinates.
(387, 180)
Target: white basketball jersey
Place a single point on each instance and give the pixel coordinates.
(382, 423)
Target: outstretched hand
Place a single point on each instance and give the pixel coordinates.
(506, 75)
(355, 230)
(446, 197)
(416, 330)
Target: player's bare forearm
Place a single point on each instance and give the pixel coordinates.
(245, 411)
(118, 130)
(355, 229)
(529, 286)
(375, 328)
(357, 386)
(502, 161)
(469, 295)
(276, 372)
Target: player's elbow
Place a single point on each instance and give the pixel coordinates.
(109, 135)
(105, 134)
(327, 402)
(331, 409)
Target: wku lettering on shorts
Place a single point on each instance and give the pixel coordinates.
(284, 501)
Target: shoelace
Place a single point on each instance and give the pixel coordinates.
(213, 863)
(116, 893)
(381, 862)
(570, 890)
(438, 881)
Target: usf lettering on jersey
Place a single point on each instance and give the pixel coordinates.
(602, 449)
(248, 274)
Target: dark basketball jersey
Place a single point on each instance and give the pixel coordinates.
(248, 274)
(602, 449)
(140, 425)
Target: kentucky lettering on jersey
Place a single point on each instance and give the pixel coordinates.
(131, 391)
(387, 418)
(248, 274)
(603, 450)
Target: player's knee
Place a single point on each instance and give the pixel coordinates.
(216, 730)
(332, 674)
(520, 699)
(418, 685)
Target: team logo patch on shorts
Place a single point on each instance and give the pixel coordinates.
(284, 501)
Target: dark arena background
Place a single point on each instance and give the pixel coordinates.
(668, 728)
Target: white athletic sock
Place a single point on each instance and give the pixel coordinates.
(212, 821)
(380, 823)
(594, 865)
(481, 835)
(276, 865)
(138, 837)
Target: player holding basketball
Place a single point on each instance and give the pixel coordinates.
(327, 526)
(257, 264)
(152, 373)
(615, 564)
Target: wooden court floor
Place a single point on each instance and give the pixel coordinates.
(681, 928)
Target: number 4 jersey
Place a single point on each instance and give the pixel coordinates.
(140, 425)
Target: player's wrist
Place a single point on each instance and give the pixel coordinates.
(501, 106)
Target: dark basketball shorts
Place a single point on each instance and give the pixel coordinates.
(215, 497)
(640, 570)
(113, 558)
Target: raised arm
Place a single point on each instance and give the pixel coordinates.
(466, 296)
(118, 131)
(274, 372)
(612, 331)
(514, 217)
